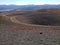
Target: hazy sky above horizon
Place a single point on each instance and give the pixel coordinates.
(27, 2)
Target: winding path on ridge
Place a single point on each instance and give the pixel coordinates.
(15, 20)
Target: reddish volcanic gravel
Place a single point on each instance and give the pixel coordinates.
(14, 35)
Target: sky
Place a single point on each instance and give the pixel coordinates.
(28, 2)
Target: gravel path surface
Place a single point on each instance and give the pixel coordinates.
(24, 37)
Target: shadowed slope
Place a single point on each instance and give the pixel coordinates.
(41, 17)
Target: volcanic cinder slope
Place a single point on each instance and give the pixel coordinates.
(41, 27)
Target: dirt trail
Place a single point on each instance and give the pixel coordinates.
(25, 26)
(13, 19)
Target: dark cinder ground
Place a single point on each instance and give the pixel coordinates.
(24, 37)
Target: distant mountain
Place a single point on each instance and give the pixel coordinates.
(4, 8)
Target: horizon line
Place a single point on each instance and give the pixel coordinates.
(30, 4)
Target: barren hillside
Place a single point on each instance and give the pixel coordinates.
(41, 27)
